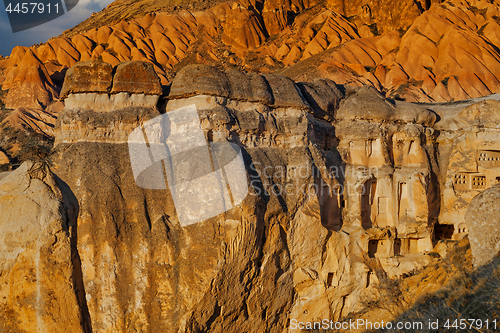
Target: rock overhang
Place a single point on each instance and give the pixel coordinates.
(96, 85)
(369, 105)
(269, 89)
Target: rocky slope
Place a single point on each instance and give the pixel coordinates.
(428, 51)
(344, 192)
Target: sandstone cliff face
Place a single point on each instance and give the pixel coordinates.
(482, 215)
(41, 286)
(343, 191)
(208, 276)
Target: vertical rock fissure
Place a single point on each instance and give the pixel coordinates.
(79, 286)
(39, 300)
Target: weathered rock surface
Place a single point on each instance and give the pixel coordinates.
(136, 77)
(444, 36)
(369, 105)
(88, 77)
(29, 84)
(41, 286)
(484, 227)
(386, 15)
(323, 96)
(342, 191)
(304, 241)
(273, 90)
(206, 80)
(96, 85)
(177, 268)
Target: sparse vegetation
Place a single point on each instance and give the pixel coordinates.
(465, 293)
(403, 89)
(445, 81)
(39, 154)
(395, 50)
(351, 71)
(374, 29)
(440, 39)
(112, 52)
(4, 113)
(389, 294)
(24, 145)
(430, 69)
(402, 31)
(472, 294)
(351, 19)
(317, 27)
(480, 32)
(482, 12)
(370, 69)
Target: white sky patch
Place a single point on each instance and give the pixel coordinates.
(42, 33)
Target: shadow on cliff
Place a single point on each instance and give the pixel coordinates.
(72, 210)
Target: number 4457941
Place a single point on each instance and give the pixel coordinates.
(32, 8)
(463, 324)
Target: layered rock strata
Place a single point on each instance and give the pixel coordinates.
(94, 85)
(342, 190)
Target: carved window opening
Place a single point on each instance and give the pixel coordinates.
(372, 248)
(400, 143)
(478, 182)
(443, 231)
(368, 147)
(460, 179)
(397, 247)
(340, 198)
(489, 159)
(367, 200)
(329, 280)
(369, 278)
(210, 136)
